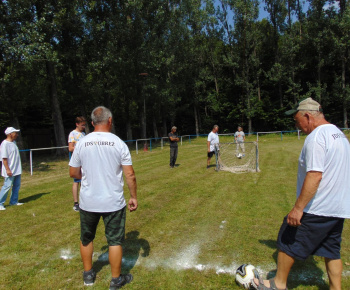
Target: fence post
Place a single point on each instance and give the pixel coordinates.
(31, 161)
(281, 135)
(137, 150)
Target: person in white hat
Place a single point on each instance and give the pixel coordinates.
(11, 167)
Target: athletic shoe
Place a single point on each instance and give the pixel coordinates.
(119, 282)
(19, 203)
(89, 277)
(2, 207)
(76, 207)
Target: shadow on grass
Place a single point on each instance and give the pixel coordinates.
(303, 273)
(131, 252)
(33, 197)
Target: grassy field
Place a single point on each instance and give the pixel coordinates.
(193, 228)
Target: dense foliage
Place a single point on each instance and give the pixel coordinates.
(156, 63)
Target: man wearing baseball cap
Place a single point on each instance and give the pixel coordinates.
(315, 223)
(11, 167)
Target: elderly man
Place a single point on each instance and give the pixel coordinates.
(212, 142)
(11, 168)
(99, 160)
(315, 223)
(173, 146)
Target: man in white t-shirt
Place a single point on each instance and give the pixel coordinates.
(99, 160)
(73, 138)
(11, 167)
(212, 143)
(315, 223)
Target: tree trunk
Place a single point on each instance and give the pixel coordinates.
(143, 121)
(196, 118)
(165, 131)
(19, 140)
(155, 130)
(56, 111)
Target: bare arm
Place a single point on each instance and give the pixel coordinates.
(6, 164)
(71, 146)
(310, 186)
(208, 143)
(131, 182)
(75, 172)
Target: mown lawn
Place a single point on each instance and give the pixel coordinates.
(193, 228)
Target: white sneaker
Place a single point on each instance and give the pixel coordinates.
(2, 207)
(19, 203)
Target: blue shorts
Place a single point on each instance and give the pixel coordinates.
(317, 235)
(76, 180)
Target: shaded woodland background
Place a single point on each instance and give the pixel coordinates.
(155, 64)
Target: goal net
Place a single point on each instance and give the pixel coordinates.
(238, 157)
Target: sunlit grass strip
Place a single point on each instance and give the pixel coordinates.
(193, 228)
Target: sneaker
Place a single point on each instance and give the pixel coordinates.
(89, 277)
(76, 207)
(119, 282)
(2, 207)
(19, 203)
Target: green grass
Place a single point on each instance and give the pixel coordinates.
(193, 227)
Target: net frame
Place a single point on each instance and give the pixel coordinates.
(227, 158)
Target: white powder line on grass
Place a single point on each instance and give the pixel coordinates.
(66, 254)
(187, 260)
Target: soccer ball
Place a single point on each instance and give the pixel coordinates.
(239, 155)
(245, 274)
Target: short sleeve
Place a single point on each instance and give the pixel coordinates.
(75, 160)
(315, 156)
(126, 157)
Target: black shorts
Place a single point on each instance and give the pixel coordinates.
(210, 154)
(317, 235)
(114, 226)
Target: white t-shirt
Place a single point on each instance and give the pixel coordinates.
(327, 150)
(239, 136)
(10, 151)
(101, 156)
(213, 138)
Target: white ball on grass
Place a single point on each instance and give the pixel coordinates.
(245, 274)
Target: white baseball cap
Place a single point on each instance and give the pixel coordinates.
(306, 105)
(10, 130)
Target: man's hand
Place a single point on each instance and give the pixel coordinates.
(132, 204)
(294, 217)
(8, 172)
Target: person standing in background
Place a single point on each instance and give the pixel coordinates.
(11, 167)
(73, 138)
(173, 146)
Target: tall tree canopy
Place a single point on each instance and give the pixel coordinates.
(189, 63)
